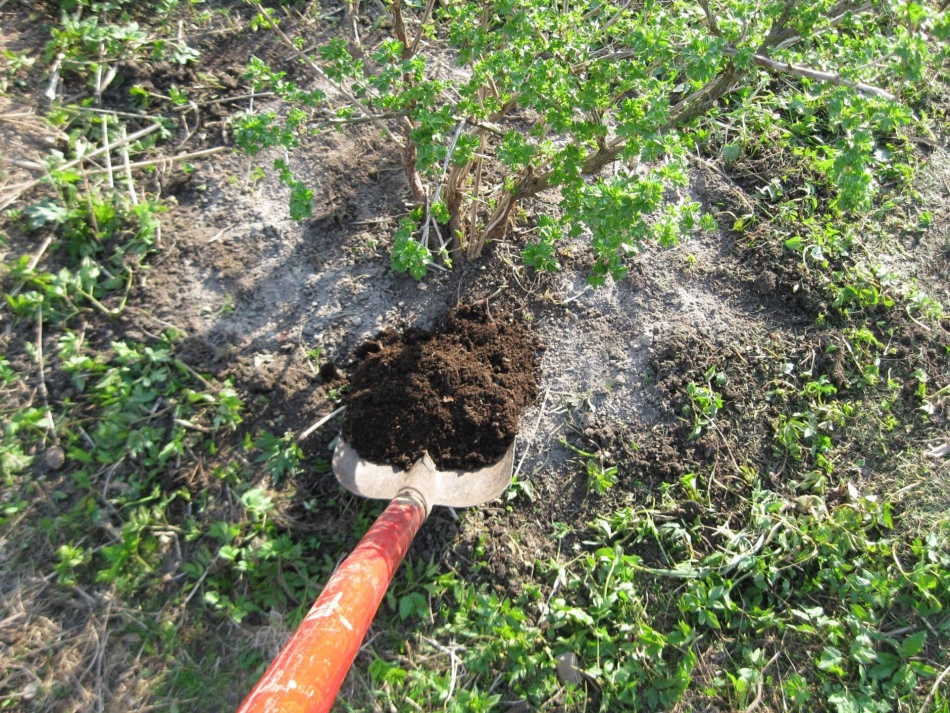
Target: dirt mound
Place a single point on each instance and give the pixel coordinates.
(457, 392)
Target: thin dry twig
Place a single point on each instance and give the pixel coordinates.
(321, 422)
(28, 165)
(53, 87)
(193, 426)
(938, 451)
(164, 160)
(44, 392)
(422, 27)
(534, 433)
(351, 10)
(758, 694)
(97, 110)
(207, 384)
(224, 100)
(19, 189)
(933, 691)
(107, 151)
(189, 132)
(10, 116)
(453, 657)
(194, 590)
(128, 167)
(34, 261)
(817, 75)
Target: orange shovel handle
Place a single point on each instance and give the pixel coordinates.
(308, 672)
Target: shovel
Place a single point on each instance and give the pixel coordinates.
(309, 670)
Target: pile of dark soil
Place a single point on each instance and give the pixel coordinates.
(457, 392)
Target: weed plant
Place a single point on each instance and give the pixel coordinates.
(101, 433)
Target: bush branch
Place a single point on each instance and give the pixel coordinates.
(817, 75)
(690, 107)
(399, 29)
(710, 18)
(777, 32)
(289, 43)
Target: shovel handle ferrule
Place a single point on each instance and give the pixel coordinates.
(308, 672)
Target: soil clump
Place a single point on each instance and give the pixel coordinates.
(456, 392)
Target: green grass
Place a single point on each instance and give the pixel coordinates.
(803, 563)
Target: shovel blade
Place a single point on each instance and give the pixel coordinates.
(452, 488)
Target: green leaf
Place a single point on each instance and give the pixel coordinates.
(409, 255)
(47, 211)
(301, 197)
(257, 502)
(12, 459)
(515, 151)
(887, 665)
(913, 644)
(413, 604)
(831, 660)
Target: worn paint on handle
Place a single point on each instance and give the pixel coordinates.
(308, 672)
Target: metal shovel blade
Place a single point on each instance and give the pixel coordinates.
(453, 488)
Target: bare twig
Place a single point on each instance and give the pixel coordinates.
(758, 695)
(690, 107)
(189, 132)
(409, 156)
(534, 434)
(351, 10)
(835, 15)
(399, 28)
(777, 30)
(19, 189)
(207, 384)
(105, 310)
(438, 190)
(28, 165)
(340, 121)
(572, 298)
(44, 393)
(103, 82)
(15, 115)
(96, 110)
(710, 18)
(194, 590)
(321, 422)
(422, 27)
(477, 187)
(817, 75)
(193, 426)
(939, 451)
(128, 167)
(224, 100)
(933, 691)
(107, 151)
(31, 265)
(384, 10)
(453, 657)
(164, 160)
(54, 77)
(613, 19)
(91, 444)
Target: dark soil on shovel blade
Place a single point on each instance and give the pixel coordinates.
(457, 392)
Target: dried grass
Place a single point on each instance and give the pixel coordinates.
(63, 650)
